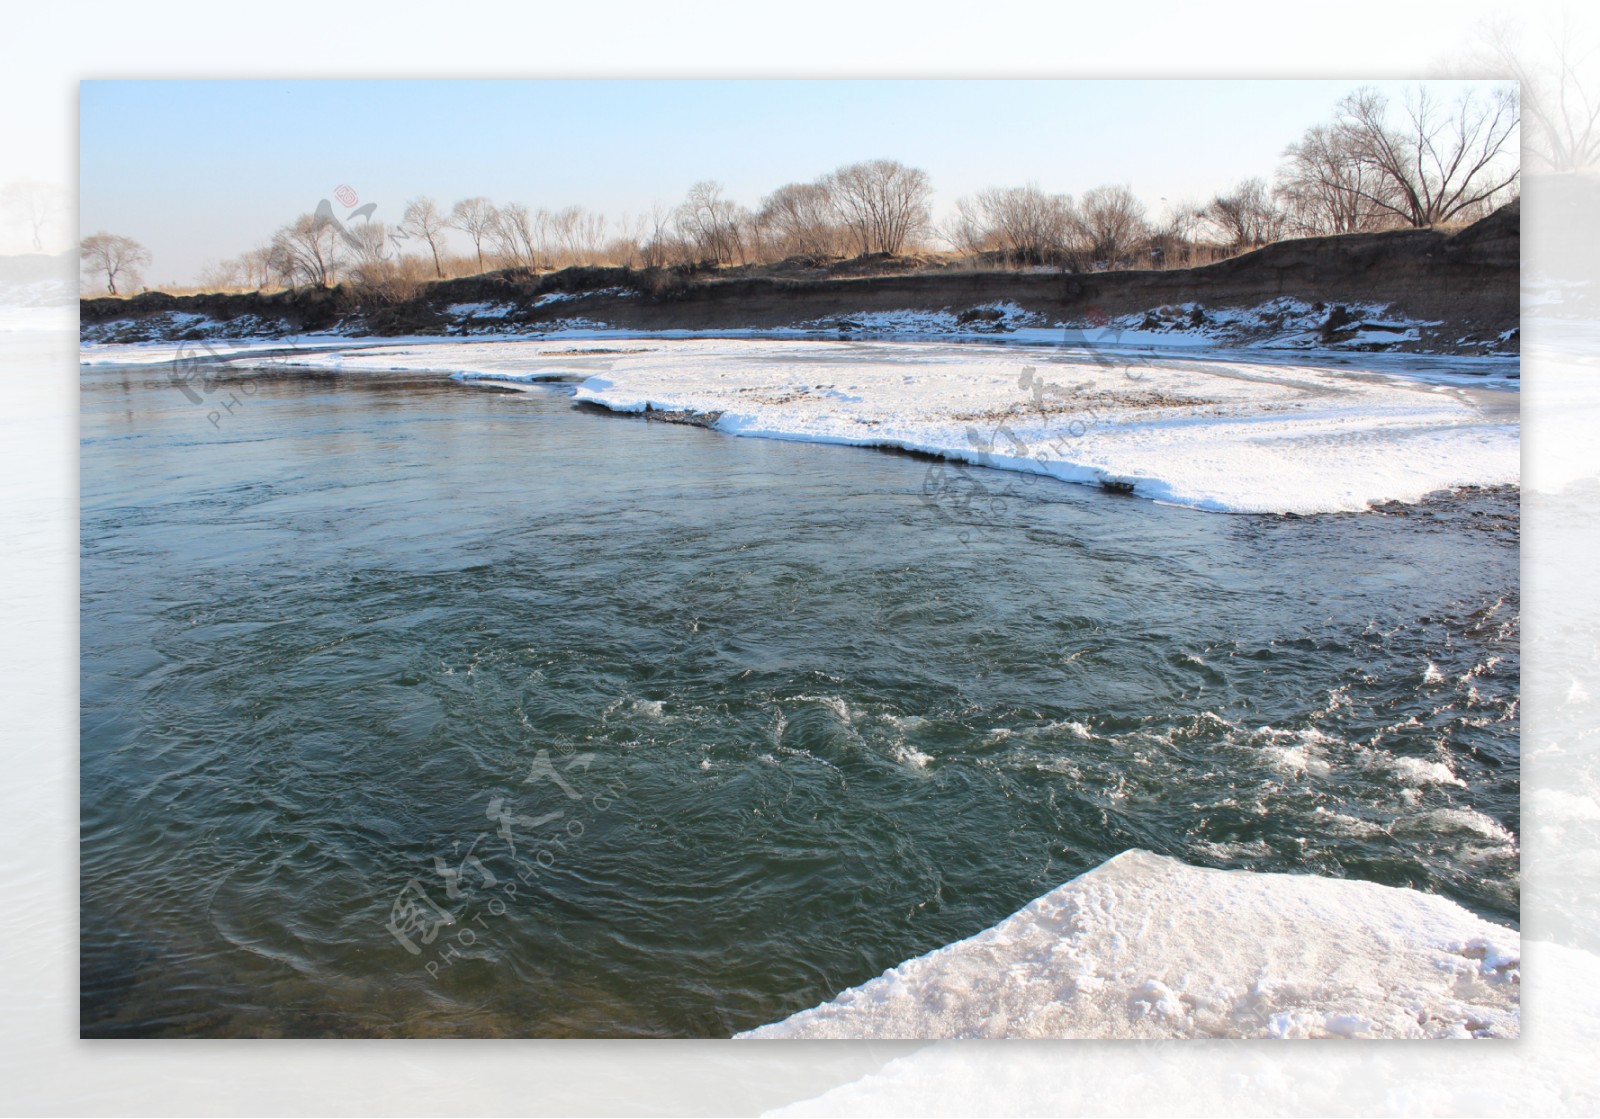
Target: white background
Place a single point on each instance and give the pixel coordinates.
(46, 50)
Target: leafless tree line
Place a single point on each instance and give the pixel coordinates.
(879, 206)
(1107, 227)
(1371, 166)
(1368, 169)
(319, 250)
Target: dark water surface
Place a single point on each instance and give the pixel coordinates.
(804, 711)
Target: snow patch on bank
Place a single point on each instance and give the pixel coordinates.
(1144, 946)
(568, 296)
(479, 310)
(1002, 316)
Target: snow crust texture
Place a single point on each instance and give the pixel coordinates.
(1144, 946)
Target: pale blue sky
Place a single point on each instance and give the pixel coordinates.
(201, 170)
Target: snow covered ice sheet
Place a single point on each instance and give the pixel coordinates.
(1144, 946)
(1225, 432)
(1223, 435)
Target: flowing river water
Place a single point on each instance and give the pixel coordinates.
(416, 708)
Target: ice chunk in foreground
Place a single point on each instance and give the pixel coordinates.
(1145, 946)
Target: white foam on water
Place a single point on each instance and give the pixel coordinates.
(1562, 805)
(1295, 751)
(1471, 821)
(1296, 760)
(1244, 849)
(911, 756)
(1417, 772)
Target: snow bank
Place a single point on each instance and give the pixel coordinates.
(1146, 947)
(1227, 436)
(1002, 316)
(1284, 323)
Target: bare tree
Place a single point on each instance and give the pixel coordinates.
(563, 234)
(968, 230)
(591, 240)
(574, 233)
(1173, 242)
(255, 268)
(625, 245)
(658, 245)
(1024, 224)
(423, 219)
(1560, 90)
(237, 273)
(802, 220)
(1111, 222)
(33, 204)
(1441, 161)
(1246, 216)
(112, 256)
(475, 218)
(883, 203)
(512, 233)
(225, 275)
(1323, 188)
(366, 241)
(308, 250)
(377, 273)
(712, 224)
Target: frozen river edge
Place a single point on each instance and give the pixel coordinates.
(1144, 946)
(1221, 431)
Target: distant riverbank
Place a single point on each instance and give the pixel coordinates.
(1415, 291)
